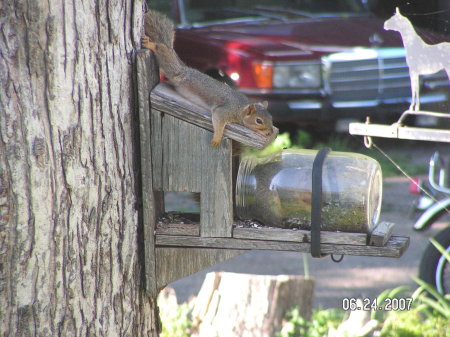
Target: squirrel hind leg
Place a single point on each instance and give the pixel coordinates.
(146, 43)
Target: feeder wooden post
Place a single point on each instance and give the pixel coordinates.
(147, 78)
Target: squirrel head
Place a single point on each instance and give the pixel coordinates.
(257, 118)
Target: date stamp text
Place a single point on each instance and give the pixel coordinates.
(368, 304)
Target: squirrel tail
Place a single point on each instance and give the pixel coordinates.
(159, 28)
(161, 33)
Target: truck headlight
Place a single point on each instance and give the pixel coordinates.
(304, 76)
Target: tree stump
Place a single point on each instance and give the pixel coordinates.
(244, 305)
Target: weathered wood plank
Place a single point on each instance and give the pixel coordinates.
(381, 233)
(271, 234)
(168, 101)
(393, 248)
(175, 263)
(190, 164)
(156, 142)
(178, 229)
(216, 200)
(278, 234)
(147, 77)
(182, 155)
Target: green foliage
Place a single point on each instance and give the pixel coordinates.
(441, 249)
(399, 292)
(429, 317)
(175, 318)
(342, 143)
(425, 319)
(176, 323)
(434, 305)
(413, 324)
(321, 321)
(282, 141)
(295, 325)
(303, 140)
(402, 160)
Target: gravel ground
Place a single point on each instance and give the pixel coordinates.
(355, 276)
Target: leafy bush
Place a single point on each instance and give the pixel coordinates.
(319, 325)
(413, 324)
(175, 319)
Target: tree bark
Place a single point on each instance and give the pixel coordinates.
(70, 249)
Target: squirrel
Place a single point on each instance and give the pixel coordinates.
(226, 104)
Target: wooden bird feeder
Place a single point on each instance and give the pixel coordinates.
(176, 156)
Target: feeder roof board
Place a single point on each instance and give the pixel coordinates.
(167, 100)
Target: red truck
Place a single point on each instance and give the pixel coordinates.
(321, 62)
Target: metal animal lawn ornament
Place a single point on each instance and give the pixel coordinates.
(422, 58)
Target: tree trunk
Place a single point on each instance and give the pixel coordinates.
(245, 305)
(70, 247)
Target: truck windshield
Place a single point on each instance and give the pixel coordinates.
(207, 11)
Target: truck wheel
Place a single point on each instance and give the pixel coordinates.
(434, 268)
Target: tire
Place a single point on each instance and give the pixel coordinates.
(434, 268)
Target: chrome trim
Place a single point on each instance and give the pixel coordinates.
(431, 98)
(433, 84)
(282, 91)
(355, 104)
(296, 63)
(306, 104)
(424, 99)
(366, 76)
(287, 53)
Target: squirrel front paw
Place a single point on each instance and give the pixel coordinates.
(146, 43)
(214, 142)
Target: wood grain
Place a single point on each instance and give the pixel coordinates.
(381, 233)
(278, 234)
(393, 248)
(216, 200)
(182, 157)
(175, 263)
(271, 234)
(147, 77)
(156, 144)
(178, 229)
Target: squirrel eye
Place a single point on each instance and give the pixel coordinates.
(259, 121)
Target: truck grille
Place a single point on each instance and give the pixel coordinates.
(365, 77)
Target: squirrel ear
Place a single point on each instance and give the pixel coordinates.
(250, 109)
(264, 104)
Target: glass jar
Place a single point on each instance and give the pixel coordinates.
(276, 190)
